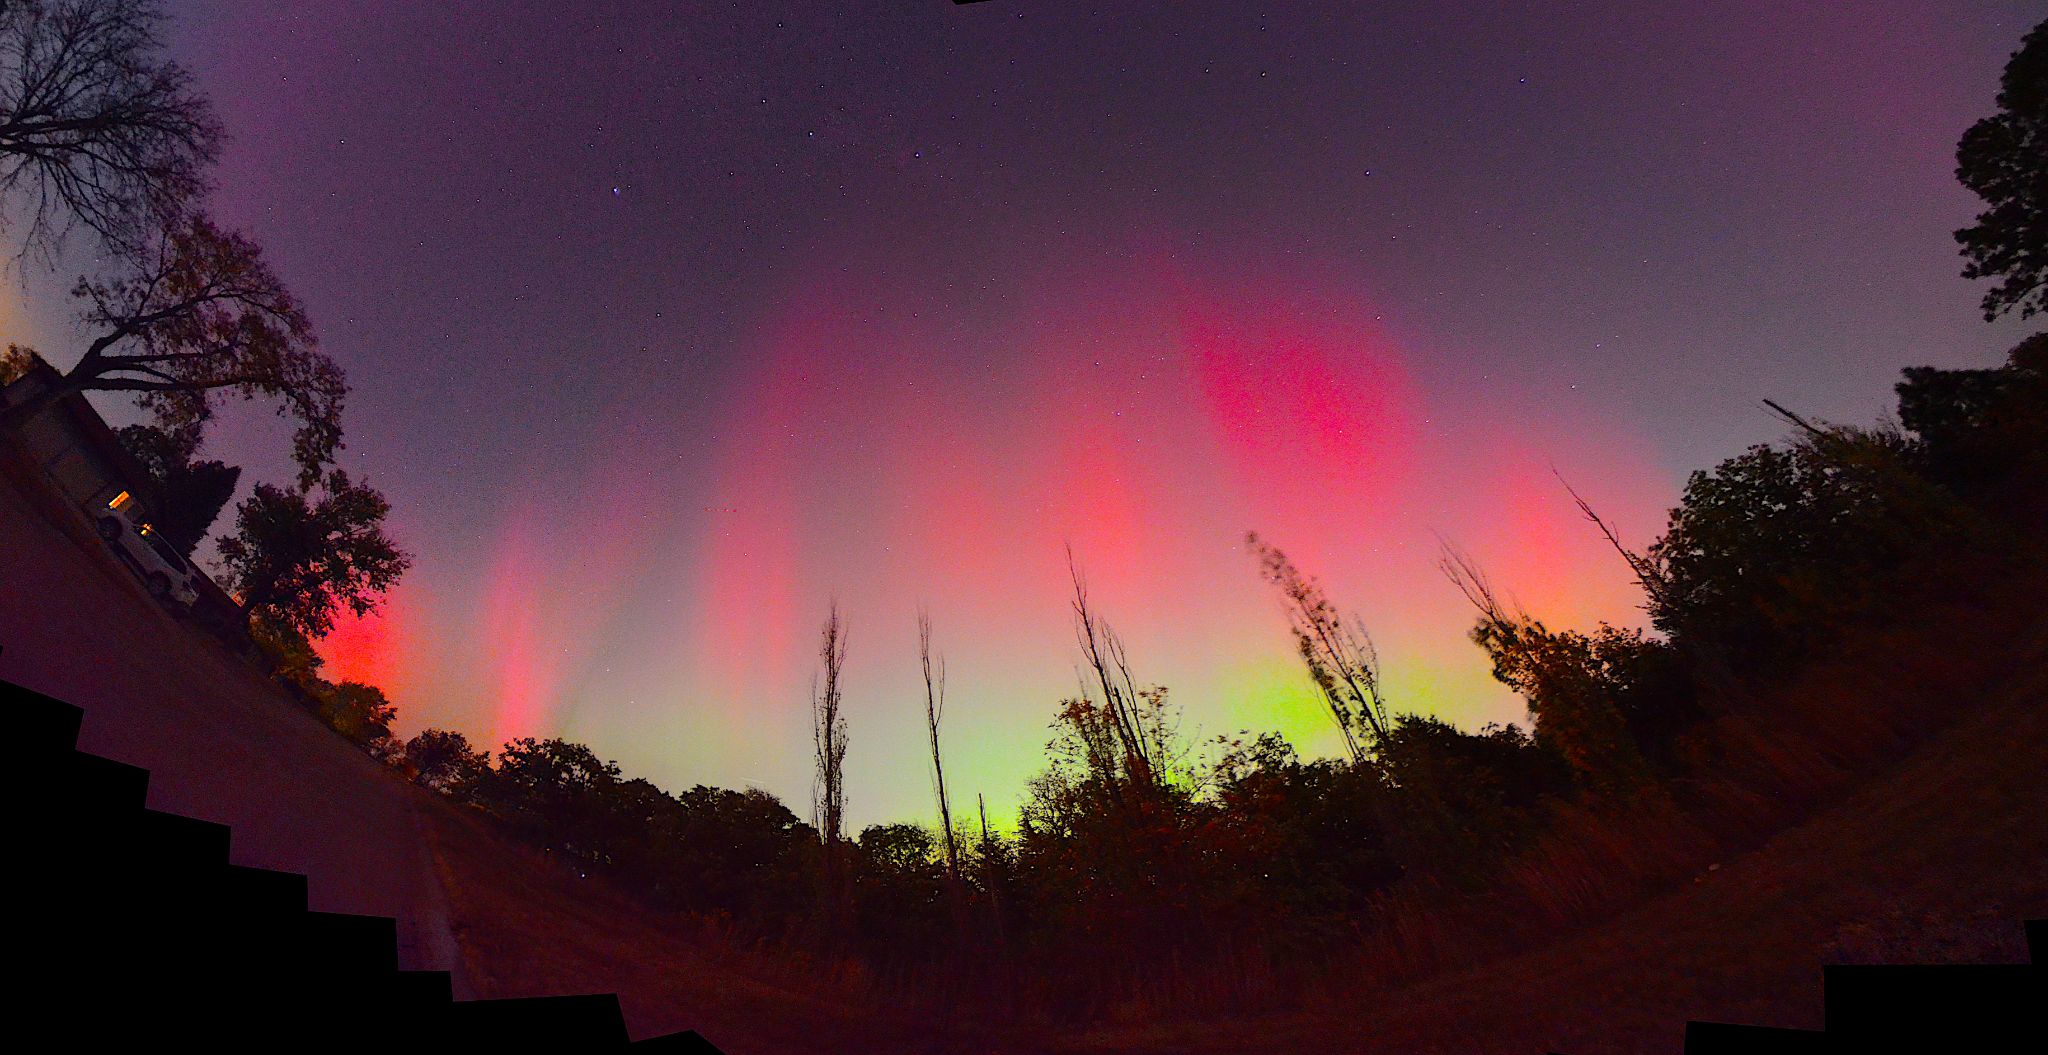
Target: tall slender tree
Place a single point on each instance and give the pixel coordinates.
(1339, 654)
(934, 712)
(1124, 738)
(988, 852)
(828, 741)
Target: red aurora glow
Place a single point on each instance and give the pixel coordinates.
(1149, 422)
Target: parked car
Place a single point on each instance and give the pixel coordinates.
(145, 550)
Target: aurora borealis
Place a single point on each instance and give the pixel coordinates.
(892, 487)
(667, 323)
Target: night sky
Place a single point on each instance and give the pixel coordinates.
(668, 322)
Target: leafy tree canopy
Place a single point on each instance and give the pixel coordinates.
(898, 848)
(1774, 546)
(194, 492)
(15, 362)
(552, 769)
(291, 656)
(196, 316)
(300, 557)
(357, 711)
(2003, 159)
(445, 761)
(201, 315)
(1979, 426)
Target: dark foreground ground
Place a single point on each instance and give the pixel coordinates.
(221, 742)
(1934, 860)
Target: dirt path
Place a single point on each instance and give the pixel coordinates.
(220, 742)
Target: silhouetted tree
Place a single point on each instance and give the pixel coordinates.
(1771, 553)
(557, 792)
(287, 652)
(897, 847)
(1123, 737)
(1317, 832)
(995, 869)
(1570, 681)
(1979, 428)
(17, 361)
(96, 127)
(196, 315)
(742, 854)
(899, 884)
(1340, 656)
(1304, 843)
(1109, 852)
(298, 558)
(444, 761)
(2003, 159)
(1454, 803)
(630, 830)
(828, 742)
(194, 492)
(934, 711)
(357, 711)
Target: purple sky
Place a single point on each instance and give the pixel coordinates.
(1687, 210)
(560, 243)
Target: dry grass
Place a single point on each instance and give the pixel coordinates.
(532, 926)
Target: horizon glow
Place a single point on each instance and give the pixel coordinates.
(1145, 416)
(666, 325)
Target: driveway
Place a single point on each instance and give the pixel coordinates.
(221, 742)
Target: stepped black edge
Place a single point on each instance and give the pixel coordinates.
(1907, 1007)
(140, 910)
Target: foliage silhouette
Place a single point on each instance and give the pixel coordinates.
(194, 491)
(195, 315)
(445, 762)
(96, 127)
(1139, 863)
(2003, 159)
(298, 558)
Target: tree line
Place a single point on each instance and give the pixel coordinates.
(1139, 859)
(1139, 854)
(106, 143)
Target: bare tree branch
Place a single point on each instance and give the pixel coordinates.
(198, 315)
(934, 711)
(96, 127)
(1341, 657)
